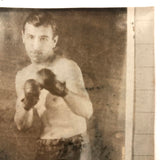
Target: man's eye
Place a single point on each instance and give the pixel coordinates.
(43, 38)
(30, 37)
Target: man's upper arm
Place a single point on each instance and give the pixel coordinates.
(74, 80)
(19, 85)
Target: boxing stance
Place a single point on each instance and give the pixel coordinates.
(54, 86)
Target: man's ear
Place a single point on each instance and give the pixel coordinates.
(55, 40)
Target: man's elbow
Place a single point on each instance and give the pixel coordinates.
(20, 125)
(89, 111)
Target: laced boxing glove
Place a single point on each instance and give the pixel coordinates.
(31, 91)
(47, 79)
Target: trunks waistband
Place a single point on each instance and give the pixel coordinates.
(74, 139)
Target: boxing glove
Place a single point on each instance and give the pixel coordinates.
(31, 91)
(47, 79)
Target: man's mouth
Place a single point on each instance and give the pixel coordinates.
(35, 55)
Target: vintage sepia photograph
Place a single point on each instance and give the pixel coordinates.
(63, 83)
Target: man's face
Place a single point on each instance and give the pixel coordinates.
(39, 42)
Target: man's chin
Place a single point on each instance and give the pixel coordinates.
(36, 61)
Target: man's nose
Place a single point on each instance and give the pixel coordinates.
(36, 44)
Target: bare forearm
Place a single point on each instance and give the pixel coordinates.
(80, 105)
(23, 118)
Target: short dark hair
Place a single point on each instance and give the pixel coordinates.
(41, 18)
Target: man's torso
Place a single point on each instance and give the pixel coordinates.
(57, 118)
